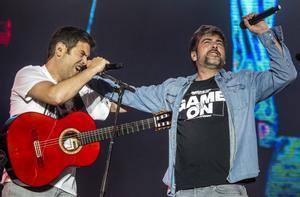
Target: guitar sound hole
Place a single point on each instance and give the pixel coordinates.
(69, 141)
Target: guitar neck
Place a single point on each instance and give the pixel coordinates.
(123, 129)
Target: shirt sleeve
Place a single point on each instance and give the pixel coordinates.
(282, 69)
(26, 78)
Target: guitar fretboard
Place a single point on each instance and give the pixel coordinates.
(107, 132)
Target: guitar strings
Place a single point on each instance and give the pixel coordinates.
(54, 141)
(96, 133)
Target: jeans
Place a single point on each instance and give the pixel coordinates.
(13, 190)
(230, 190)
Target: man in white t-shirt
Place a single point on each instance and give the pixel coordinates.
(56, 89)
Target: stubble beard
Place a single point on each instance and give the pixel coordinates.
(214, 63)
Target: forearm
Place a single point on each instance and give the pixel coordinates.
(56, 94)
(146, 98)
(280, 60)
(67, 89)
(282, 70)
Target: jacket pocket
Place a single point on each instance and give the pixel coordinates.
(232, 190)
(170, 98)
(238, 95)
(171, 95)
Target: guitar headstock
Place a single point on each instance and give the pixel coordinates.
(162, 120)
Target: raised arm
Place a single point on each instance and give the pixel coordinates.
(282, 70)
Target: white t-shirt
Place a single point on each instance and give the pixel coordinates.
(97, 106)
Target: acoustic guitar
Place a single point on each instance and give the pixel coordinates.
(38, 148)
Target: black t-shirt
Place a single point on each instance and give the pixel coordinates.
(72, 105)
(202, 155)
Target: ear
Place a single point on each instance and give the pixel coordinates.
(60, 49)
(194, 56)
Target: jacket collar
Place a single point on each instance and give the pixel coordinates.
(224, 75)
(221, 75)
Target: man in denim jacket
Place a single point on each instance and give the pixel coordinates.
(212, 141)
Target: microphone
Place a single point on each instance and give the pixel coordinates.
(297, 56)
(261, 16)
(112, 66)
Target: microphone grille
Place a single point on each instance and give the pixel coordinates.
(120, 65)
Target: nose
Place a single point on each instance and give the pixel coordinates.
(84, 60)
(214, 45)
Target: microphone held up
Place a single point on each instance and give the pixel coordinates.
(259, 17)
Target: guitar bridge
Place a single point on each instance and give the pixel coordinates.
(37, 148)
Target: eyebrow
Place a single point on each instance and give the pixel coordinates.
(82, 52)
(206, 39)
(218, 40)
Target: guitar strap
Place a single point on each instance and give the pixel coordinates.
(74, 104)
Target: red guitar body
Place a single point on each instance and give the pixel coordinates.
(39, 148)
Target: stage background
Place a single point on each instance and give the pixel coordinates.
(151, 39)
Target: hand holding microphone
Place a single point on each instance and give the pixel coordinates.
(258, 28)
(100, 64)
(105, 67)
(97, 64)
(255, 23)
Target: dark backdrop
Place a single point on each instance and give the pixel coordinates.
(151, 39)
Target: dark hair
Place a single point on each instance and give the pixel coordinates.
(204, 30)
(70, 36)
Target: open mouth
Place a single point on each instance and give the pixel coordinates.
(214, 53)
(80, 68)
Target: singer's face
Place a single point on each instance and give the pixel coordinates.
(74, 58)
(210, 52)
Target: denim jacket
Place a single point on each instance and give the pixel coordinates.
(241, 90)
